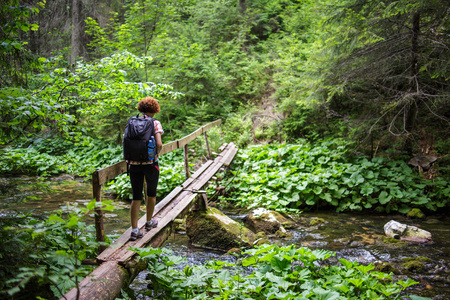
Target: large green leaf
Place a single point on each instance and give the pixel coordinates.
(384, 197)
(322, 294)
(280, 264)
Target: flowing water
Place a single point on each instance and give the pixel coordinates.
(353, 237)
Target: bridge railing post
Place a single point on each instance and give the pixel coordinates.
(207, 145)
(97, 193)
(186, 161)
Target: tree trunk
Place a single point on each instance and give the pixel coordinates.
(76, 43)
(411, 109)
(242, 6)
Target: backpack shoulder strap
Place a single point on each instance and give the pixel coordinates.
(152, 122)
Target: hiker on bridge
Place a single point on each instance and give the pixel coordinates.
(142, 142)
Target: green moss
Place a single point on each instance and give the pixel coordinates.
(414, 266)
(394, 243)
(283, 234)
(262, 242)
(418, 258)
(316, 221)
(215, 230)
(234, 251)
(415, 213)
(288, 224)
(386, 267)
(261, 235)
(390, 240)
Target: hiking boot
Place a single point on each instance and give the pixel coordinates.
(151, 224)
(135, 236)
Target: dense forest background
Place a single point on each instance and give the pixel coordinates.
(372, 72)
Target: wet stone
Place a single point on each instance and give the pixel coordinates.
(356, 244)
(405, 232)
(268, 221)
(418, 258)
(414, 266)
(385, 267)
(316, 221)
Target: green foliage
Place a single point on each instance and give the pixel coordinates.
(17, 23)
(368, 53)
(52, 157)
(48, 252)
(290, 177)
(66, 94)
(311, 123)
(133, 30)
(238, 127)
(268, 272)
(16, 61)
(296, 54)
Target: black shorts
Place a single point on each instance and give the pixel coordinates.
(137, 174)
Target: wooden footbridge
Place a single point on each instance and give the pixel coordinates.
(117, 265)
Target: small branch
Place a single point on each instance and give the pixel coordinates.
(435, 114)
(43, 87)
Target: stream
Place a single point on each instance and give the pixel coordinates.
(354, 237)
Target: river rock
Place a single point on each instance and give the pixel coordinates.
(267, 221)
(212, 229)
(414, 266)
(385, 267)
(424, 161)
(405, 232)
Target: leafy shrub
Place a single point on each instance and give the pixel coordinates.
(268, 272)
(47, 252)
(237, 129)
(29, 161)
(300, 176)
(304, 122)
(73, 158)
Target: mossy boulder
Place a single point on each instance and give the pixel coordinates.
(267, 221)
(212, 229)
(261, 239)
(415, 213)
(385, 267)
(418, 258)
(316, 221)
(261, 235)
(414, 266)
(282, 233)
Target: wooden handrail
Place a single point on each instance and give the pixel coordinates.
(108, 173)
(102, 176)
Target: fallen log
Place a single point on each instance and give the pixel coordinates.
(106, 281)
(113, 277)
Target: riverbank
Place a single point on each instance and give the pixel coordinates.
(354, 237)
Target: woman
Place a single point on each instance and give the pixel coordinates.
(148, 170)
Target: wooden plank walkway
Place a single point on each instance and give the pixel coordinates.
(174, 205)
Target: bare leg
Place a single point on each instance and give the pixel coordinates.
(135, 206)
(151, 202)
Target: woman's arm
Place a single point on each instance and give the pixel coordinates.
(158, 142)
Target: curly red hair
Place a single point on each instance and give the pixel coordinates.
(148, 105)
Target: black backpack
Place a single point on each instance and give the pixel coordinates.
(135, 138)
